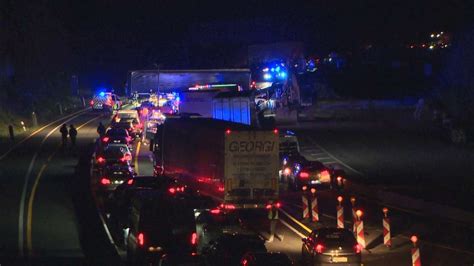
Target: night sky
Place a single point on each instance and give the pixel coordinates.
(104, 39)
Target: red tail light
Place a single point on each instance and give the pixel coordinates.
(91, 102)
(194, 239)
(227, 206)
(105, 181)
(172, 190)
(325, 173)
(215, 211)
(101, 160)
(141, 239)
(228, 131)
(275, 131)
(278, 205)
(130, 182)
(304, 174)
(105, 139)
(319, 248)
(358, 248)
(268, 207)
(126, 157)
(220, 188)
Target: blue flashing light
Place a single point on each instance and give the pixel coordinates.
(272, 69)
(178, 98)
(277, 69)
(102, 94)
(283, 74)
(267, 76)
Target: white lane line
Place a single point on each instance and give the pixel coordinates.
(21, 233)
(37, 131)
(292, 229)
(324, 158)
(318, 154)
(336, 159)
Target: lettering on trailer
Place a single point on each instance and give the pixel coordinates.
(251, 158)
(252, 146)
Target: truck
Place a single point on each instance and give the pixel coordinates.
(235, 162)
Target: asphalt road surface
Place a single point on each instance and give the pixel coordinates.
(49, 215)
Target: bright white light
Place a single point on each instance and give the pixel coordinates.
(437, 35)
(432, 35)
(267, 76)
(431, 47)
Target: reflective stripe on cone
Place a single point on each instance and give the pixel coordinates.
(387, 240)
(340, 216)
(415, 256)
(305, 207)
(360, 233)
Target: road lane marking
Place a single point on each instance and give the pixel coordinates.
(21, 235)
(136, 158)
(292, 229)
(296, 221)
(335, 158)
(37, 131)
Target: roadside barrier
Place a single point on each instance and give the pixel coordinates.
(314, 206)
(360, 229)
(340, 213)
(387, 239)
(415, 252)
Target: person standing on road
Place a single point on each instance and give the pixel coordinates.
(72, 135)
(101, 129)
(64, 133)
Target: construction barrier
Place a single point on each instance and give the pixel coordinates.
(387, 240)
(415, 252)
(305, 207)
(314, 206)
(340, 213)
(360, 229)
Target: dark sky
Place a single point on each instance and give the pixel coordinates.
(108, 37)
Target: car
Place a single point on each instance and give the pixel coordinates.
(212, 223)
(265, 259)
(113, 154)
(228, 249)
(130, 125)
(159, 224)
(310, 174)
(120, 200)
(116, 135)
(331, 246)
(122, 119)
(115, 175)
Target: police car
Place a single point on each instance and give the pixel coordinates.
(105, 101)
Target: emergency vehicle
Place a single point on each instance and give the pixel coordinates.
(105, 101)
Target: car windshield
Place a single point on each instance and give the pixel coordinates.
(117, 132)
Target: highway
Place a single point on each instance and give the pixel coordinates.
(49, 214)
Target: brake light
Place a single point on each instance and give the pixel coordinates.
(228, 131)
(194, 239)
(245, 262)
(358, 248)
(126, 157)
(228, 206)
(215, 211)
(220, 188)
(304, 174)
(278, 205)
(101, 160)
(91, 102)
(319, 248)
(172, 190)
(105, 181)
(325, 174)
(130, 182)
(105, 139)
(269, 206)
(141, 239)
(275, 131)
